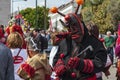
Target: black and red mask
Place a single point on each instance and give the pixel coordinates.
(75, 27)
(73, 24)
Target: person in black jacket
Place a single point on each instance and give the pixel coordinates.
(40, 40)
(80, 55)
(6, 62)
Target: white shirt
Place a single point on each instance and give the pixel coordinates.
(22, 56)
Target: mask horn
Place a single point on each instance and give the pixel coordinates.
(77, 9)
(61, 13)
(79, 2)
(55, 10)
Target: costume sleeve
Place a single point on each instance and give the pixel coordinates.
(94, 65)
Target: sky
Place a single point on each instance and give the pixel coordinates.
(20, 4)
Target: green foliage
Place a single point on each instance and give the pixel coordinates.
(87, 14)
(96, 2)
(114, 9)
(102, 14)
(30, 15)
(102, 18)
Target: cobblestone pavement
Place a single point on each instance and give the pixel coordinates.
(113, 73)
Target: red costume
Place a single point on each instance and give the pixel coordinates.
(2, 37)
(80, 55)
(16, 28)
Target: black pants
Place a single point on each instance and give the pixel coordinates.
(111, 53)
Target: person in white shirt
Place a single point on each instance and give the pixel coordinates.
(14, 42)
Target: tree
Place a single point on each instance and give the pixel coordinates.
(96, 2)
(103, 18)
(114, 9)
(30, 15)
(99, 14)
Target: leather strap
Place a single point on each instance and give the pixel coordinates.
(18, 53)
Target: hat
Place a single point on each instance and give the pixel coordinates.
(31, 45)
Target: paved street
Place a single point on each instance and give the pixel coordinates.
(112, 76)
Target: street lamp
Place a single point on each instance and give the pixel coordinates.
(13, 5)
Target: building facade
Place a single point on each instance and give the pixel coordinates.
(65, 9)
(5, 6)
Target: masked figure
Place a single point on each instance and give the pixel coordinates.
(79, 56)
(36, 67)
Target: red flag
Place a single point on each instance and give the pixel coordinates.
(18, 16)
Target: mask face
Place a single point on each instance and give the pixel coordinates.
(75, 27)
(73, 22)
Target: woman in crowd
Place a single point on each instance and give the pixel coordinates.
(14, 42)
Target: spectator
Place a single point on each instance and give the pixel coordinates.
(2, 27)
(36, 67)
(109, 42)
(14, 42)
(40, 40)
(6, 62)
(48, 35)
(94, 31)
(43, 33)
(14, 27)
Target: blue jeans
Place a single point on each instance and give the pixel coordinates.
(110, 51)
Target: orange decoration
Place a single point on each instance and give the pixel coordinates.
(53, 10)
(80, 2)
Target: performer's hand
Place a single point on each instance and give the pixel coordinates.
(59, 68)
(73, 62)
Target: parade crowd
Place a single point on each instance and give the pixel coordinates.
(78, 53)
